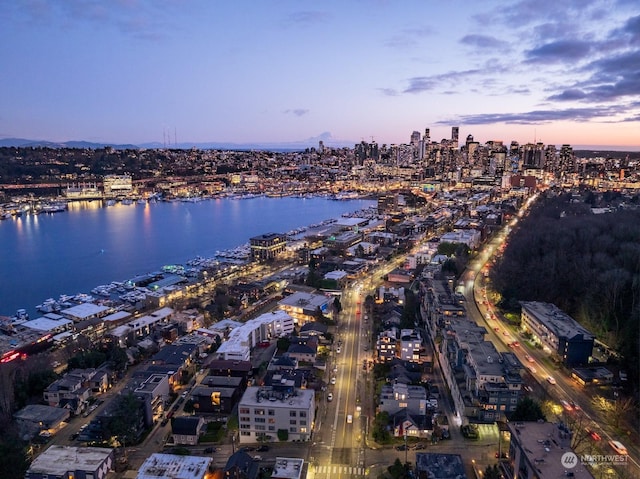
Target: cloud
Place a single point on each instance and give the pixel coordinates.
(308, 17)
(144, 19)
(560, 51)
(484, 42)
(537, 117)
(428, 83)
(409, 37)
(297, 111)
(612, 78)
(570, 94)
(388, 91)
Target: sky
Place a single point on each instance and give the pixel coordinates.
(340, 71)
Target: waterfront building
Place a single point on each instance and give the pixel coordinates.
(557, 332)
(267, 246)
(117, 185)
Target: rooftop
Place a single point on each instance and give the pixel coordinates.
(544, 445)
(56, 461)
(556, 320)
(287, 468)
(171, 466)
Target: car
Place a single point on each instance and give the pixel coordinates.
(551, 380)
(338, 350)
(529, 358)
(420, 446)
(349, 418)
(574, 406)
(330, 397)
(257, 458)
(496, 329)
(402, 447)
(618, 447)
(333, 380)
(593, 435)
(566, 405)
(164, 422)
(262, 448)
(209, 450)
(504, 333)
(532, 370)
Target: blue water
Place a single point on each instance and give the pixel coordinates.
(46, 255)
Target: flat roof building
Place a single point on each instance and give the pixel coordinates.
(557, 332)
(65, 461)
(172, 466)
(264, 411)
(538, 450)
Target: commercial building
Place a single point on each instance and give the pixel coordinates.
(117, 185)
(64, 462)
(267, 246)
(287, 468)
(271, 413)
(172, 466)
(557, 332)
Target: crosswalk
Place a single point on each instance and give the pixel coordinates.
(331, 471)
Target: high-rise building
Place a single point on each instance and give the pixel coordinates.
(455, 131)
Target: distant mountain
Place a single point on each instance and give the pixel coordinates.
(24, 143)
(282, 146)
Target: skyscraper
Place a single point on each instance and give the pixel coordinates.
(454, 135)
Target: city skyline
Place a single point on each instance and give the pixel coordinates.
(135, 72)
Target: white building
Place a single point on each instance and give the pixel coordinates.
(303, 307)
(114, 185)
(66, 461)
(244, 338)
(172, 466)
(262, 412)
(398, 396)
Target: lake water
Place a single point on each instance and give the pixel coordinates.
(46, 255)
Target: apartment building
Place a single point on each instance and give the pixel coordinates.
(557, 332)
(398, 396)
(272, 413)
(485, 384)
(542, 451)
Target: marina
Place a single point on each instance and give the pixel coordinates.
(95, 253)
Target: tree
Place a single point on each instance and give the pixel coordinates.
(127, 421)
(283, 344)
(337, 305)
(527, 409)
(283, 435)
(13, 458)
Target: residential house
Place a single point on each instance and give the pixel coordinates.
(187, 429)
